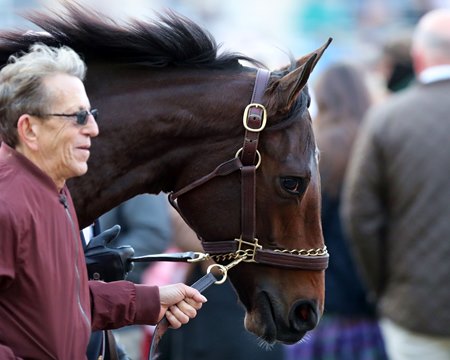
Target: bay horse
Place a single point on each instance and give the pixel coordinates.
(171, 111)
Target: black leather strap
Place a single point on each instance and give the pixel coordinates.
(112, 346)
(201, 285)
(204, 282)
(180, 257)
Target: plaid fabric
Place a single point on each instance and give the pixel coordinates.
(339, 338)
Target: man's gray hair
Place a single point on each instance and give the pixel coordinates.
(21, 84)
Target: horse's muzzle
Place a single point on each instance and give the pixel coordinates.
(302, 317)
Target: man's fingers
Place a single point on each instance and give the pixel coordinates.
(187, 301)
(173, 321)
(188, 309)
(195, 294)
(195, 304)
(181, 314)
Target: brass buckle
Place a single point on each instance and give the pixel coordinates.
(264, 117)
(248, 254)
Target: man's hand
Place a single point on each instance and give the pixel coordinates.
(179, 303)
(108, 263)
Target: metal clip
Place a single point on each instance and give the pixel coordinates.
(224, 268)
(198, 256)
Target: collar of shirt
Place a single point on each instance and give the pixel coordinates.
(435, 73)
(88, 234)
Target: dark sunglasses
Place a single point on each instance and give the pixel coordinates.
(82, 115)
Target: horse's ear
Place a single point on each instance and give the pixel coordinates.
(319, 52)
(289, 86)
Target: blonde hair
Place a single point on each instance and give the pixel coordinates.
(21, 84)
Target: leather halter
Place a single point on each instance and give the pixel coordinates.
(247, 160)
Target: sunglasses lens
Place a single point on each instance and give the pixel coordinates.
(82, 116)
(94, 113)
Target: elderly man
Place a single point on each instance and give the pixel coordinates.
(47, 305)
(396, 201)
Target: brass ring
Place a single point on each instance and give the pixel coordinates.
(222, 269)
(257, 153)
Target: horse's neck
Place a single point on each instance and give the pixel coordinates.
(147, 137)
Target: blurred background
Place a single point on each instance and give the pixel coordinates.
(268, 30)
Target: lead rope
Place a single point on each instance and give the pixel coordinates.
(201, 285)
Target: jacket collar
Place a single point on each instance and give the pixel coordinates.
(435, 73)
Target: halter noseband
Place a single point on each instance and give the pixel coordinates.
(247, 160)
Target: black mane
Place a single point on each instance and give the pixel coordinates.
(171, 40)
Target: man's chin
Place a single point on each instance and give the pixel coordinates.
(80, 170)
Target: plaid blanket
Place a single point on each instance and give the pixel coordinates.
(340, 338)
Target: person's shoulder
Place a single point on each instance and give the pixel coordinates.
(402, 98)
(11, 184)
(12, 216)
(17, 192)
(394, 105)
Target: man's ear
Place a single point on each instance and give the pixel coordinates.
(27, 128)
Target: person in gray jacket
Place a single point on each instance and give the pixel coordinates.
(396, 201)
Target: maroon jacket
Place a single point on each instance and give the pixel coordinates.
(47, 305)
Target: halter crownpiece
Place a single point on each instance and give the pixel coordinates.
(247, 159)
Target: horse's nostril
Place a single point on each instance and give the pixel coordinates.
(303, 315)
(303, 312)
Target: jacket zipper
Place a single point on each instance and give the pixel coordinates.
(63, 200)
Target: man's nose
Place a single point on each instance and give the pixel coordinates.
(91, 126)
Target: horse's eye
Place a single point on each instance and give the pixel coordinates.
(294, 185)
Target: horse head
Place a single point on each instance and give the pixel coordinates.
(283, 297)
